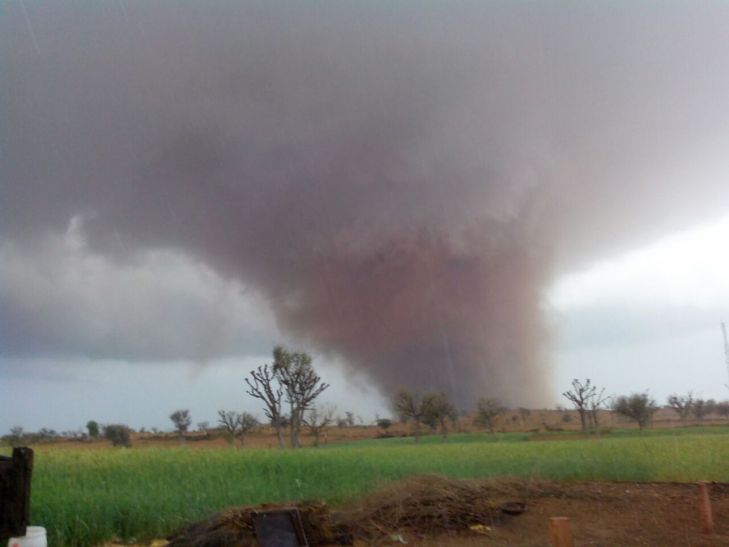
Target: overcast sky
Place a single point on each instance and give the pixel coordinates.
(483, 198)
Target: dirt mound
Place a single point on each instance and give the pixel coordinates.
(432, 505)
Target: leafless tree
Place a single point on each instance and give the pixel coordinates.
(317, 420)
(595, 403)
(580, 396)
(265, 385)
(301, 386)
(487, 410)
(246, 423)
(682, 404)
(236, 425)
(228, 419)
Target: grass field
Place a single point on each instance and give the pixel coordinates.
(84, 497)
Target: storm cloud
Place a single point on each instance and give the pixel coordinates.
(397, 182)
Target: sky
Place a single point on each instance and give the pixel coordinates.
(484, 199)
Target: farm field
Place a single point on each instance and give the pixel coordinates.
(88, 497)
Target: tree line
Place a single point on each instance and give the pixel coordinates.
(289, 386)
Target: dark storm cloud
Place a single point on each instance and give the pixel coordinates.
(399, 181)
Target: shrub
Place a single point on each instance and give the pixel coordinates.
(118, 435)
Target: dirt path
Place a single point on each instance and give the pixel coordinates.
(607, 514)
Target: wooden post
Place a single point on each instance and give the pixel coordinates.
(707, 517)
(15, 474)
(560, 532)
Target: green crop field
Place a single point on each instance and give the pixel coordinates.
(84, 497)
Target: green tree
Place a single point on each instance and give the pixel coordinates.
(437, 410)
(118, 435)
(408, 407)
(638, 407)
(181, 420)
(93, 428)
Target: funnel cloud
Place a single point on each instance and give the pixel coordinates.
(397, 182)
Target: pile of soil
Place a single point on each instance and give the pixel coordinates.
(430, 505)
(431, 511)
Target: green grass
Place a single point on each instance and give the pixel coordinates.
(84, 497)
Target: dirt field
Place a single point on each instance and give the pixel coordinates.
(608, 514)
(433, 511)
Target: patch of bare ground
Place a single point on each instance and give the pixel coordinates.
(432, 511)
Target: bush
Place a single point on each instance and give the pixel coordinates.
(118, 434)
(638, 407)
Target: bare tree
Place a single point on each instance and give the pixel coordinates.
(317, 420)
(301, 386)
(487, 410)
(682, 404)
(246, 423)
(182, 420)
(236, 425)
(580, 396)
(265, 385)
(228, 419)
(437, 410)
(596, 402)
(638, 407)
(203, 427)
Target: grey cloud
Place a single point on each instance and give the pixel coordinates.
(59, 300)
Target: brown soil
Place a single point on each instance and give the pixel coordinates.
(432, 511)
